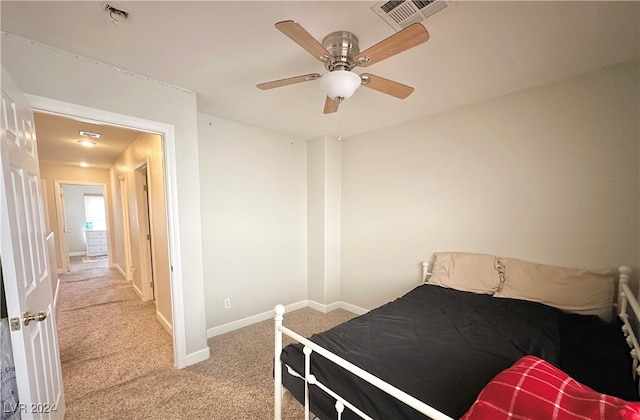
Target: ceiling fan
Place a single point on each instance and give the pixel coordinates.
(340, 53)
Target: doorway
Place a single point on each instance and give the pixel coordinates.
(174, 288)
(83, 222)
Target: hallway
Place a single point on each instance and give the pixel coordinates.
(107, 336)
(117, 360)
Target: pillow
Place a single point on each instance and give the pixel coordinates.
(534, 389)
(465, 271)
(570, 289)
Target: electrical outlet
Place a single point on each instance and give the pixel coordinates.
(227, 303)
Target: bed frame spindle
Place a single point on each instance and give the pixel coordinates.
(425, 272)
(626, 298)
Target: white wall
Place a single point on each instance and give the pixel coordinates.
(323, 219)
(145, 149)
(316, 188)
(54, 74)
(253, 217)
(549, 174)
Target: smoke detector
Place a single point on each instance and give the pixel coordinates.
(402, 13)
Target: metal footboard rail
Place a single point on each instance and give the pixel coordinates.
(310, 379)
(627, 299)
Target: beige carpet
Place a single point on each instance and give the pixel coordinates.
(117, 360)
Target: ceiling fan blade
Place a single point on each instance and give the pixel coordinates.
(409, 37)
(300, 36)
(386, 86)
(288, 81)
(330, 106)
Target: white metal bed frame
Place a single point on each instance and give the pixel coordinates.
(625, 299)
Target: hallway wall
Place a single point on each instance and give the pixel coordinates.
(145, 148)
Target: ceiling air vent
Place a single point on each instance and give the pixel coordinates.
(400, 13)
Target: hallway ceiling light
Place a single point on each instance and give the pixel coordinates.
(90, 134)
(87, 143)
(84, 164)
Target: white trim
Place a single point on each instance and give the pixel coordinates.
(51, 254)
(62, 235)
(78, 254)
(353, 308)
(336, 305)
(245, 322)
(198, 356)
(137, 290)
(254, 319)
(120, 271)
(126, 232)
(42, 104)
(320, 307)
(56, 294)
(163, 321)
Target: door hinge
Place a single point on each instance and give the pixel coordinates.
(145, 188)
(148, 236)
(15, 324)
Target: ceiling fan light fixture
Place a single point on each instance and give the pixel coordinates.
(340, 84)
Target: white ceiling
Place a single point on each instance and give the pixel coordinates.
(220, 50)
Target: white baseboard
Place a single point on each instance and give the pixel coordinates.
(336, 305)
(198, 356)
(166, 324)
(138, 291)
(78, 254)
(325, 309)
(245, 322)
(353, 308)
(121, 271)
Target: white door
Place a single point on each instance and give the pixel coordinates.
(25, 263)
(146, 255)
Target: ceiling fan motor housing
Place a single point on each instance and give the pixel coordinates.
(343, 46)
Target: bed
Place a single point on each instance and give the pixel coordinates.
(438, 350)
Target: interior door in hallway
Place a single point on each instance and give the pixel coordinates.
(26, 272)
(144, 225)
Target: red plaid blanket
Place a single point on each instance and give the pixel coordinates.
(535, 389)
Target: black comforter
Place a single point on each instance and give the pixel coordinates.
(441, 346)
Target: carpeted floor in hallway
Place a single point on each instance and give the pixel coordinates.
(117, 360)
